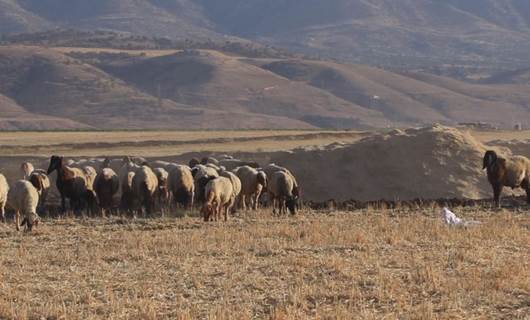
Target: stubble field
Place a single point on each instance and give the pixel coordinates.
(366, 264)
(327, 265)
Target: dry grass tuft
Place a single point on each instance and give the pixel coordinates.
(368, 264)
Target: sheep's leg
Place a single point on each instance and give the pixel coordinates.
(272, 200)
(256, 201)
(497, 190)
(3, 214)
(63, 204)
(17, 220)
(242, 203)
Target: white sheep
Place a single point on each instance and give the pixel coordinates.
(4, 190)
(252, 184)
(182, 186)
(281, 187)
(219, 199)
(144, 185)
(27, 168)
(24, 198)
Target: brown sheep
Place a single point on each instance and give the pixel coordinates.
(182, 186)
(511, 172)
(219, 199)
(71, 183)
(144, 186)
(252, 184)
(193, 162)
(281, 186)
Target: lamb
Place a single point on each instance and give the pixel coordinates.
(252, 184)
(24, 198)
(26, 168)
(4, 190)
(511, 172)
(219, 199)
(281, 186)
(162, 192)
(182, 186)
(106, 185)
(39, 179)
(144, 186)
(71, 183)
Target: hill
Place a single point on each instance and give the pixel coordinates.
(380, 32)
(209, 89)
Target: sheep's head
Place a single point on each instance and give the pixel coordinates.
(490, 157)
(56, 163)
(193, 162)
(262, 178)
(291, 204)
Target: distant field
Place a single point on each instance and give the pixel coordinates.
(322, 265)
(163, 143)
(147, 53)
(168, 143)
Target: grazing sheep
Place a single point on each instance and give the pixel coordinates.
(182, 186)
(4, 190)
(202, 175)
(125, 176)
(106, 185)
(236, 184)
(39, 179)
(24, 198)
(71, 183)
(26, 168)
(162, 192)
(281, 186)
(144, 186)
(252, 184)
(219, 199)
(231, 164)
(511, 172)
(273, 168)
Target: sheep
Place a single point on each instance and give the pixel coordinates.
(273, 168)
(71, 183)
(125, 177)
(144, 186)
(162, 192)
(281, 186)
(193, 162)
(231, 164)
(182, 186)
(236, 184)
(252, 184)
(106, 185)
(26, 168)
(219, 198)
(40, 180)
(24, 198)
(208, 160)
(4, 190)
(201, 175)
(511, 172)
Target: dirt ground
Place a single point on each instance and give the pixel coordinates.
(323, 265)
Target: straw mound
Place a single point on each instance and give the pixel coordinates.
(431, 163)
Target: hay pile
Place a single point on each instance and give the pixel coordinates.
(431, 163)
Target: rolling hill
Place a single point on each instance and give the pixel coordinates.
(75, 88)
(380, 32)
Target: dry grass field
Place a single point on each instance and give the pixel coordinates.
(324, 265)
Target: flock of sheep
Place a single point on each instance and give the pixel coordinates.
(218, 187)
